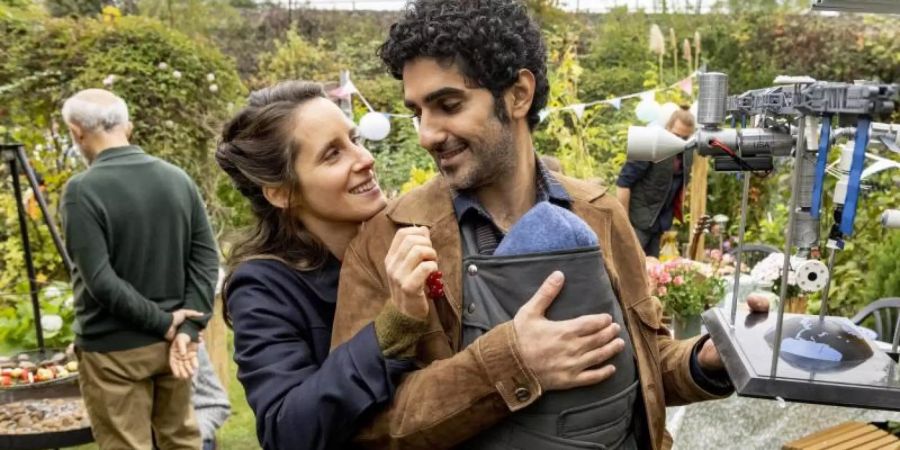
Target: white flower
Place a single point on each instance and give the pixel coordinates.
(176, 74)
(214, 88)
(51, 323)
(169, 123)
(109, 80)
(769, 269)
(210, 77)
(69, 303)
(52, 292)
(163, 66)
(38, 148)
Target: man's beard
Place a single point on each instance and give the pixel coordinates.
(491, 159)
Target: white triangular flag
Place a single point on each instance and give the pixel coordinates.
(687, 85)
(648, 95)
(616, 103)
(579, 109)
(542, 115)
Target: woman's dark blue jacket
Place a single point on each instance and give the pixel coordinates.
(303, 397)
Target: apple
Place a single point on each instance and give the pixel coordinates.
(43, 374)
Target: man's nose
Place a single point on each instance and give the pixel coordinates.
(431, 132)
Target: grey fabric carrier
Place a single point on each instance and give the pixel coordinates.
(593, 417)
(649, 195)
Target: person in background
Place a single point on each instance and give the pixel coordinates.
(210, 400)
(653, 193)
(145, 266)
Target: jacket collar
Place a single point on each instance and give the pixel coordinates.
(433, 202)
(117, 152)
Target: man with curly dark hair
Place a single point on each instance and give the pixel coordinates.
(474, 73)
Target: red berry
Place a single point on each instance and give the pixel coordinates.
(435, 285)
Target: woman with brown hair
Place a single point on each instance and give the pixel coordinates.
(297, 159)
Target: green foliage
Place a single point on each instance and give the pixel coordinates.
(17, 317)
(178, 91)
(66, 8)
(294, 58)
(166, 79)
(883, 279)
(197, 18)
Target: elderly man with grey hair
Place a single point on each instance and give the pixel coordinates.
(146, 265)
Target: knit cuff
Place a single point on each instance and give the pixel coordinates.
(398, 333)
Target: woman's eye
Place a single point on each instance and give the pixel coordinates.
(331, 155)
(451, 107)
(356, 139)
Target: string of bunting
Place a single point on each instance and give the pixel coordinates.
(376, 125)
(647, 98)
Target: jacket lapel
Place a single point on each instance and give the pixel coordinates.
(432, 206)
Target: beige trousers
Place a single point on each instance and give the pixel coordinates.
(132, 398)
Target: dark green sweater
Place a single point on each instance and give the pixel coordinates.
(137, 231)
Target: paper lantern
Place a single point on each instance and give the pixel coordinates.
(374, 126)
(647, 110)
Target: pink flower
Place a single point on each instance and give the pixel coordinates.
(679, 280)
(665, 278)
(715, 254)
(661, 291)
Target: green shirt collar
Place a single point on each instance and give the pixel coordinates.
(116, 152)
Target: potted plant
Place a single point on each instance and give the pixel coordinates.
(686, 288)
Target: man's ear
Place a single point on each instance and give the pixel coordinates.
(277, 196)
(129, 127)
(76, 131)
(521, 94)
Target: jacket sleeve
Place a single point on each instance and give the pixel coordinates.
(632, 172)
(83, 226)
(449, 400)
(675, 356)
(202, 268)
(297, 402)
(211, 405)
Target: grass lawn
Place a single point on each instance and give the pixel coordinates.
(239, 432)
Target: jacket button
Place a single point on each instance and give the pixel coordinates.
(471, 308)
(472, 269)
(522, 394)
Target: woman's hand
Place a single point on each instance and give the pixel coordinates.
(409, 262)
